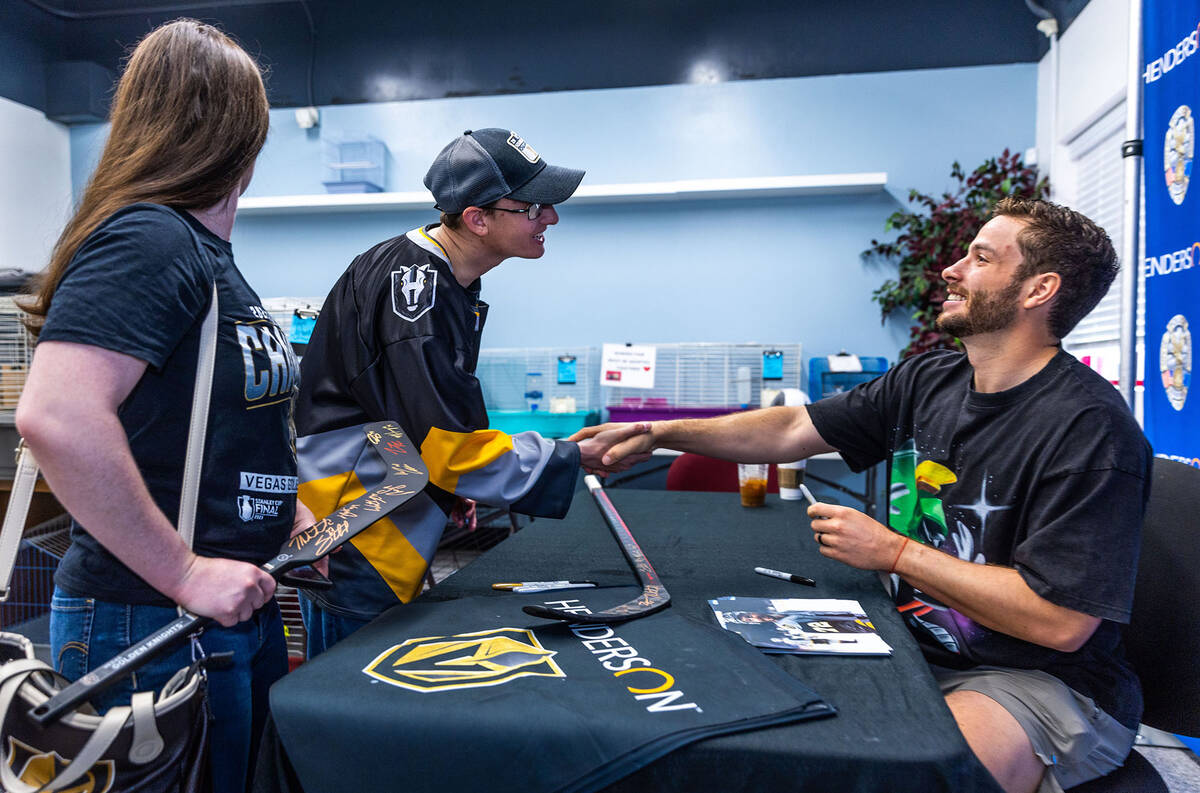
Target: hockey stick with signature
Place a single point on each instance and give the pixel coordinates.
(405, 477)
(654, 595)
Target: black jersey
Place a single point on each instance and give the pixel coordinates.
(398, 338)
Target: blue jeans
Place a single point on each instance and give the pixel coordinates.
(85, 633)
(324, 629)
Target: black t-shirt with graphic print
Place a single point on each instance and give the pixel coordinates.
(141, 284)
(1050, 477)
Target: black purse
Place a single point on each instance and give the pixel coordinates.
(156, 744)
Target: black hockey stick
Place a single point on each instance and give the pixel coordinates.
(654, 595)
(405, 477)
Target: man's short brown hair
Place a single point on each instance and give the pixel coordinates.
(1060, 240)
(453, 220)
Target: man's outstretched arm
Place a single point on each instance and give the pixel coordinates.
(769, 435)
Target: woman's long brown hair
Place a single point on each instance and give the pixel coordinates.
(189, 118)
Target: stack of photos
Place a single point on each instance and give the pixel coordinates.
(797, 625)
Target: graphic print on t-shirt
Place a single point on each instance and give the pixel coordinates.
(916, 510)
(271, 376)
(262, 503)
(271, 367)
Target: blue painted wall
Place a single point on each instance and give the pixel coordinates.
(741, 270)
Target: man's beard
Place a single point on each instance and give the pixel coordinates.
(984, 312)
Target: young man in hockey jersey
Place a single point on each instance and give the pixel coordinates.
(398, 338)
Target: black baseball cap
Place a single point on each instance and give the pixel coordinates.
(484, 165)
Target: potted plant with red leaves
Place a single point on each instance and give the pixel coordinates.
(935, 235)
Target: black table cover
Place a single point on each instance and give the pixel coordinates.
(893, 731)
(481, 696)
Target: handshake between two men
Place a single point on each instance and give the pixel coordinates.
(776, 434)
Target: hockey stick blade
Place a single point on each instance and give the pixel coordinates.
(404, 478)
(654, 596)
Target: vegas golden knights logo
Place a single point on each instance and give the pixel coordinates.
(36, 768)
(464, 660)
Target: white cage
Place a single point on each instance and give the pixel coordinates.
(710, 375)
(501, 372)
(16, 351)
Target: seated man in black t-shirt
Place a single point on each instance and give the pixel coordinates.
(1018, 483)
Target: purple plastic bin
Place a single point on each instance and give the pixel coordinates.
(662, 413)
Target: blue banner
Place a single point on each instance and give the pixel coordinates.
(1171, 78)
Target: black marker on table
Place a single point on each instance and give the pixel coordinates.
(795, 579)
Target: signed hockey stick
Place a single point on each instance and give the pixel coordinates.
(404, 478)
(654, 595)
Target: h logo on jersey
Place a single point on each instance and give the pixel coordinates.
(413, 290)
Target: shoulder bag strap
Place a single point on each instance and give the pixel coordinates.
(24, 481)
(193, 462)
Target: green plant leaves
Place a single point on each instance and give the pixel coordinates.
(936, 234)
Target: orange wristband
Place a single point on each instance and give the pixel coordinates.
(898, 555)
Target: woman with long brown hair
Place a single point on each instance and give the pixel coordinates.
(107, 404)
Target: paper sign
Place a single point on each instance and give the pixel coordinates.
(627, 366)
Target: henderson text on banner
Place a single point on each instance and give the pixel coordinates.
(1171, 259)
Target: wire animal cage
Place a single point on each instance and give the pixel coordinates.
(354, 164)
(32, 584)
(460, 546)
(502, 371)
(294, 634)
(707, 379)
(31, 587)
(16, 350)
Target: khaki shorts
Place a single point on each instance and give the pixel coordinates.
(1075, 739)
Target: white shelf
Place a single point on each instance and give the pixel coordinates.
(680, 190)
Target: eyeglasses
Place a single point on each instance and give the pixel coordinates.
(533, 211)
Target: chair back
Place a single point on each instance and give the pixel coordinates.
(1163, 636)
(708, 474)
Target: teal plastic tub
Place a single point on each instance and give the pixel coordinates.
(550, 425)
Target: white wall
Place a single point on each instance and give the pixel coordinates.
(35, 174)
(1092, 58)
(1079, 138)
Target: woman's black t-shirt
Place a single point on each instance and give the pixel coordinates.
(141, 284)
(1050, 477)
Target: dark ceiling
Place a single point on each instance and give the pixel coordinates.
(347, 51)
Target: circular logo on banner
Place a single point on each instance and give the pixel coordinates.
(1175, 360)
(1177, 152)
